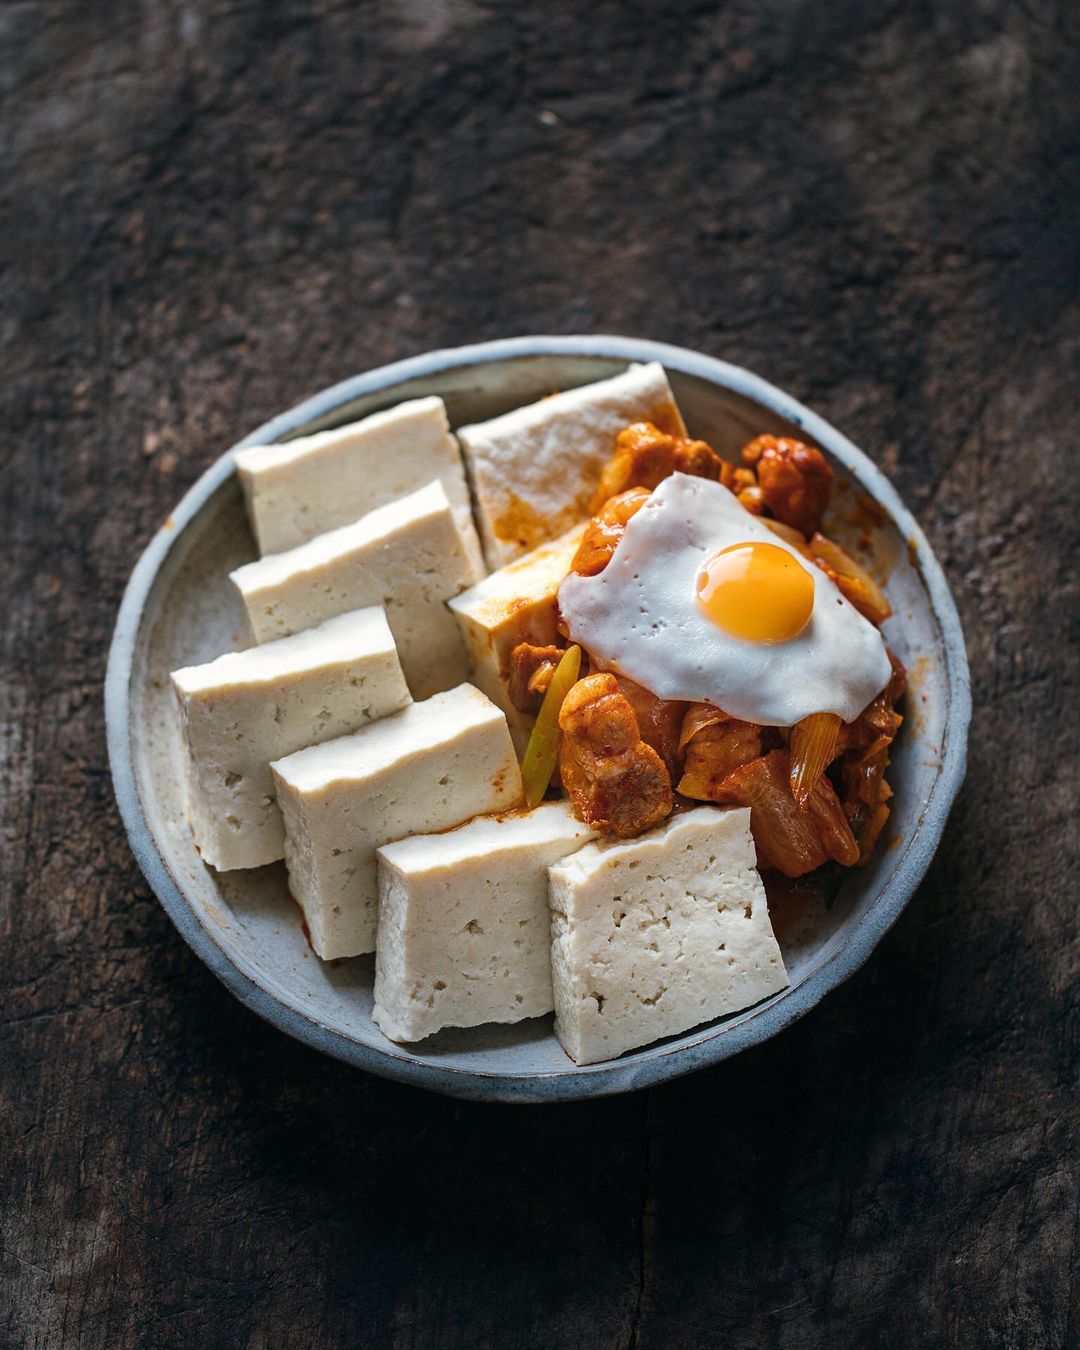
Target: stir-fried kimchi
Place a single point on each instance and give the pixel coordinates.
(817, 791)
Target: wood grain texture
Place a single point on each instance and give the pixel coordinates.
(212, 210)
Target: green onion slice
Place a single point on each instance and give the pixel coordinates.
(539, 762)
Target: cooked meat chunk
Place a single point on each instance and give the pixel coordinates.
(659, 721)
(531, 669)
(794, 479)
(616, 782)
(644, 456)
(713, 752)
(603, 532)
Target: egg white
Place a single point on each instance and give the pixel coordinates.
(641, 617)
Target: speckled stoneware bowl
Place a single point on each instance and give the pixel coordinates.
(180, 608)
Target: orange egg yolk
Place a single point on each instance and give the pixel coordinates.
(756, 591)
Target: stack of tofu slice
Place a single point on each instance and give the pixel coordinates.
(400, 822)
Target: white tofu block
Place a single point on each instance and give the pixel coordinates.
(534, 470)
(515, 604)
(656, 935)
(409, 555)
(430, 767)
(464, 929)
(246, 708)
(318, 483)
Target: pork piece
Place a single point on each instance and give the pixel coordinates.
(531, 669)
(659, 721)
(716, 746)
(794, 480)
(644, 456)
(603, 532)
(791, 840)
(616, 782)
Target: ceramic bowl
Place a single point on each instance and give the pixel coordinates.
(180, 608)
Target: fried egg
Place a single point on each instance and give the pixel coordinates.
(702, 601)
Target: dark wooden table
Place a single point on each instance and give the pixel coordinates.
(212, 210)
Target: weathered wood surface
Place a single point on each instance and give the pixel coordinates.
(212, 210)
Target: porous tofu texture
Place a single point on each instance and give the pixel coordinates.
(464, 930)
(317, 483)
(515, 604)
(658, 934)
(246, 708)
(534, 470)
(410, 556)
(430, 767)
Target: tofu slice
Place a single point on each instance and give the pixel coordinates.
(515, 604)
(245, 709)
(464, 930)
(534, 470)
(434, 765)
(409, 555)
(318, 483)
(656, 935)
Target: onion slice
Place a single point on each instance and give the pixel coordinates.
(788, 533)
(854, 581)
(698, 717)
(814, 743)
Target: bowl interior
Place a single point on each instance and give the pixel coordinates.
(191, 614)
